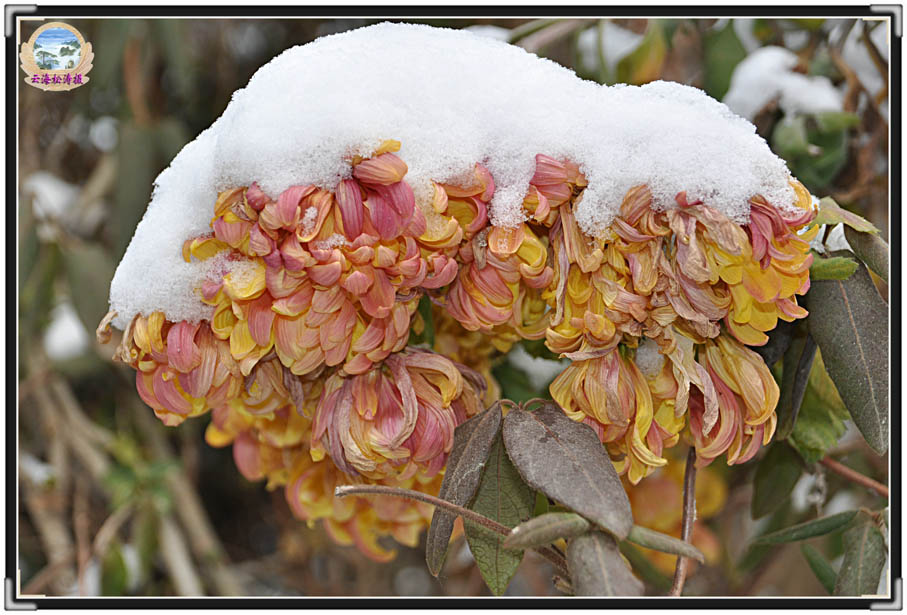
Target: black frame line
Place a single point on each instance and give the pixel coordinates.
(14, 80)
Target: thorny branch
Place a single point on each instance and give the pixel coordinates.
(689, 516)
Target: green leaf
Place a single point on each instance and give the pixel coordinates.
(823, 65)
(832, 213)
(144, 535)
(473, 441)
(764, 32)
(809, 24)
(809, 529)
(864, 560)
(537, 348)
(566, 461)
(820, 423)
(644, 63)
(597, 568)
(541, 504)
(106, 67)
(821, 384)
(169, 134)
(817, 430)
(428, 332)
(827, 156)
(789, 137)
(797, 366)
(871, 249)
(37, 294)
(505, 498)
(644, 568)
(820, 567)
(29, 245)
(89, 270)
(849, 321)
(170, 35)
(754, 555)
(121, 482)
(776, 475)
(834, 268)
(645, 537)
(114, 575)
(831, 121)
(137, 167)
(779, 340)
(545, 529)
(514, 383)
(723, 51)
(158, 470)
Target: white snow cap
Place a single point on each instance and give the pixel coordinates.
(452, 99)
(767, 74)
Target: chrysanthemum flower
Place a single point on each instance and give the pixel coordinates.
(182, 370)
(747, 396)
(472, 348)
(673, 277)
(396, 420)
(275, 448)
(325, 278)
(553, 184)
(358, 521)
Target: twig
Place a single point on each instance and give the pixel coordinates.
(86, 439)
(524, 30)
(176, 557)
(202, 538)
(467, 514)
(539, 40)
(877, 59)
(852, 475)
(109, 529)
(47, 505)
(81, 525)
(45, 508)
(689, 516)
(45, 576)
(76, 416)
(133, 80)
(54, 436)
(547, 552)
(848, 26)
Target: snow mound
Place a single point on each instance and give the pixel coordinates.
(452, 98)
(767, 74)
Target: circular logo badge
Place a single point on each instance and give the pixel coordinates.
(56, 57)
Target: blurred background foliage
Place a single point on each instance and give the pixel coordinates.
(114, 503)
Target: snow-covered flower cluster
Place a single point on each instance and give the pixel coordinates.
(306, 297)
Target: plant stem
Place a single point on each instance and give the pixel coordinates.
(689, 515)
(468, 515)
(852, 475)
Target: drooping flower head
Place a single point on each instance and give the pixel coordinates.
(396, 420)
(686, 281)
